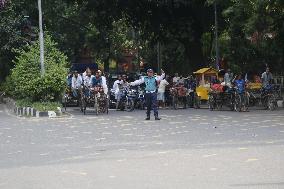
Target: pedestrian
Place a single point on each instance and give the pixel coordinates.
(176, 79)
(116, 86)
(151, 83)
(191, 86)
(161, 91)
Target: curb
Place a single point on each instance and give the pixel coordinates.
(29, 111)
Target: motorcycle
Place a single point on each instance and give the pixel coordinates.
(126, 99)
(140, 100)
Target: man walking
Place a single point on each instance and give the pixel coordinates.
(161, 91)
(151, 83)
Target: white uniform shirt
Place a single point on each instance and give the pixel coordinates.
(141, 80)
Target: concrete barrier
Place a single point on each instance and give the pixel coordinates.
(29, 111)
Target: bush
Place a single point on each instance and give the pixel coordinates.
(24, 103)
(40, 106)
(26, 81)
(46, 106)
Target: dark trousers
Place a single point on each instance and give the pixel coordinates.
(151, 103)
(191, 99)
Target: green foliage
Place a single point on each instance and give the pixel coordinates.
(26, 79)
(206, 40)
(46, 106)
(122, 36)
(184, 28)
(8, 86)
(39, 106)
(255, 34)
(24, 103)
(11, 37)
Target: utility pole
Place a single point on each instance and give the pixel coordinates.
(41, 42)
(159, 56)
(216, 37)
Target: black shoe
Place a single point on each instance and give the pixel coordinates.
(157, 118)
(147, 118)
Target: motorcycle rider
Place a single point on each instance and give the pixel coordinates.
(120, 86)
(151, 83)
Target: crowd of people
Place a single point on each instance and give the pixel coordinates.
(157, 87)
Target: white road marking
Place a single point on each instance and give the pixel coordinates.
(251, 160)
(209, 155)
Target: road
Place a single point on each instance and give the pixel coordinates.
(189, 148)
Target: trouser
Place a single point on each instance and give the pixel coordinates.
(191, 99)
(151, 103)
(87, 92)
(75, 92)
(183, 99)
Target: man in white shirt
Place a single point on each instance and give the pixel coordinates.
(176, 79)
(85, 72)
(161, 91)
(104, 83)
(266, 78)
(116, 86)
(76, 83)
(87, 82)
(228, 77)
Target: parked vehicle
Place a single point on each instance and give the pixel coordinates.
(127, 98)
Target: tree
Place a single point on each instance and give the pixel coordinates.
(26, 78)
(255, 34)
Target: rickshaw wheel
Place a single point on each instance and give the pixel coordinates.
(238, 103)
(271, 103)
(96, 105)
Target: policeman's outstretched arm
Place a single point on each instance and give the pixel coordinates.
(137, 82)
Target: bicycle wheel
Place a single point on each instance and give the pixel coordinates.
(83, 105)
(238, 102)
(271, 102)
(211, 102)
(96, 106)
(129, 105)
(175, 102)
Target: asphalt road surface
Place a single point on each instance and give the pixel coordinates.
(187, 149)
